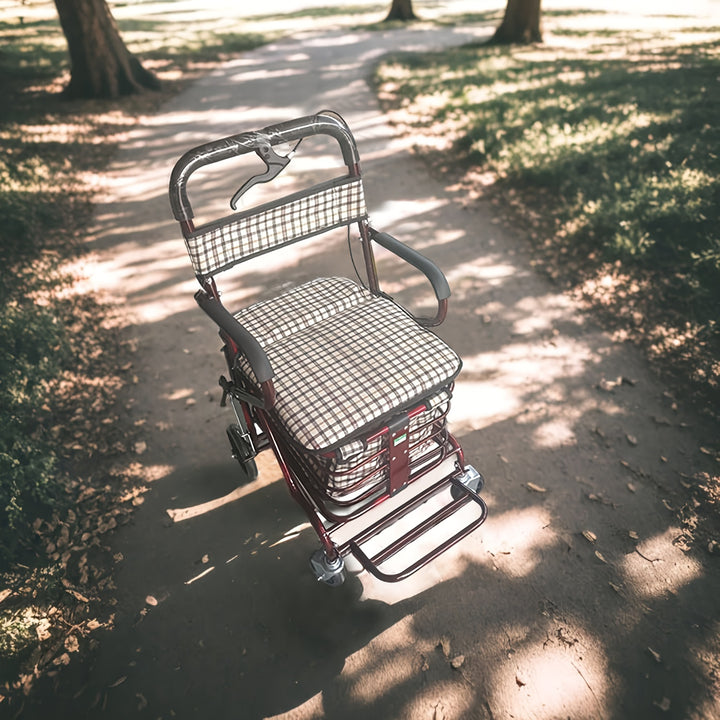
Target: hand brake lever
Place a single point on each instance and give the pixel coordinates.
(274, 164)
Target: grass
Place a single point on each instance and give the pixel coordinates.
(606, 151)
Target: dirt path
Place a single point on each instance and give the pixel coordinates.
(574, 600)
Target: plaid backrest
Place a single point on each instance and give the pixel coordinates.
(219, 245)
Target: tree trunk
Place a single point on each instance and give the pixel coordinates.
(401, 10)
(101, 65)
(521, 23)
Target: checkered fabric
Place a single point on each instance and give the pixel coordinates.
(351, 462)
(301, 307)
(340, 376)
(219, 245)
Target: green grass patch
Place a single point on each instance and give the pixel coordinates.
(614, 146)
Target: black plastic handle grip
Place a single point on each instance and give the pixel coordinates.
(250, 347)
(325, 123)
(426, 266)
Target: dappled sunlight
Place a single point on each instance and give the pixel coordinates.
(555, 433)
(658, 566)
(477, 404)
(268, 474)
(554, 678)
(368, 680)
(446, 699)
(485, 268)
(511, 377)
(393, 660)
(397, 212)
(311, 708)
(540, 313)
(515, 540)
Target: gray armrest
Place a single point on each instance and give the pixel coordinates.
(431, 271)
(248, 345)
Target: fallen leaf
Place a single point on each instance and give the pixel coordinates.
(140, 447)
(142, 702)
(655, 654)
(5, 594)
(631, 487)
(600, 557)
(71, 644)
(43, 630)
(589, 536)
(63, 659)
(151, 600)
(77, 595)
(119, 681)
(608, 385)
(632, 440)
(535, 488)
(615, 587)
(457, 662)
(633, 535)
(664, 704)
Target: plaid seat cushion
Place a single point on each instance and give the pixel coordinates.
(301, 307)
(341, 371)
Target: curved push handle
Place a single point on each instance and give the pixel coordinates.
(323, 123)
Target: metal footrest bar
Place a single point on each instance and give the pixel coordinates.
(462, 496)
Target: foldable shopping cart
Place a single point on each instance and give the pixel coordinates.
(348, 388)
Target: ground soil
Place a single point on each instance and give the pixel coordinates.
(586, 594)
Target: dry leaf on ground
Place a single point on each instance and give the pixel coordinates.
(535, 488)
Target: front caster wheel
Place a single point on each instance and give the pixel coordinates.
(331, 573)
(471, 479)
